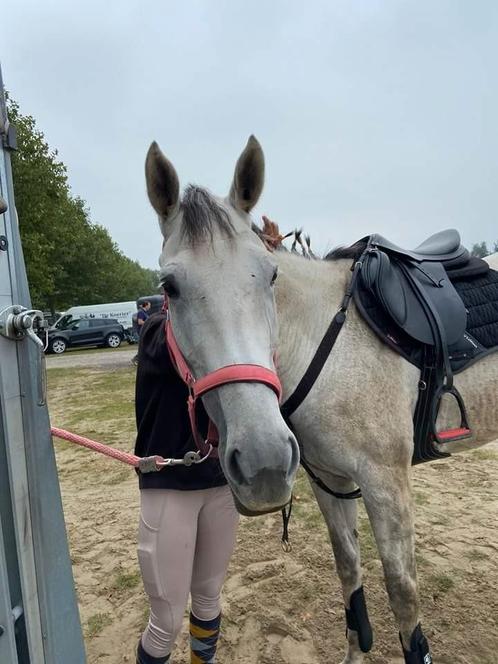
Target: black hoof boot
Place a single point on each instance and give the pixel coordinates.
(144, 658)
(419, 648)
(357, 619)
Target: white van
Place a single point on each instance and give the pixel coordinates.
(120, 311)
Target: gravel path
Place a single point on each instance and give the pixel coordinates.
(96, 359)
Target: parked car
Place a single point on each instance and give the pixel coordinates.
(85, 332)
(116, 311)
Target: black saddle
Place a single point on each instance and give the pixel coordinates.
(415, 289)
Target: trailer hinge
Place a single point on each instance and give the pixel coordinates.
(17, 323)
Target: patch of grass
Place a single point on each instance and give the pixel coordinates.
(438, 520)
(117, 478)
(442, 582)
(56, 375)
(96, 396)
(306, 592)
(126, 580)
(421, 561)
(302, 487)
(251, 523)
(100, 349)
(102, 410)
(367, 540)
(96, 623)
(145, 616)
(96, 404)
(485, 455)
(475, 555)
(421, 498)
(315, 519)
(62, 444)
(121, 379)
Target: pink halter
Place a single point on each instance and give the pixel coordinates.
(233, 373)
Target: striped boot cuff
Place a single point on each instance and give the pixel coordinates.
(204, 639)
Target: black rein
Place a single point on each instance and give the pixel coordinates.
(313, 371)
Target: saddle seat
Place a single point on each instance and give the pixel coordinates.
(443, 247)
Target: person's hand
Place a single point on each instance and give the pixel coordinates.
(271, 234)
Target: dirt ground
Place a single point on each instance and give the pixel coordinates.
(278, 608)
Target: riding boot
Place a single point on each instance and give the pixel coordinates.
(419, 648)
(144, 658)
(203, 639)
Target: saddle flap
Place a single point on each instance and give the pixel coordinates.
(409, 292)
(441, 297)
(379, 276)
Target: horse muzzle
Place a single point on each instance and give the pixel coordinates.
(261, 476)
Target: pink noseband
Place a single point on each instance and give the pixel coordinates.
(233, 373)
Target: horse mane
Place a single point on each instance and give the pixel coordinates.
(201, 212)
(354, 251)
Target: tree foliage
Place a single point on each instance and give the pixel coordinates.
(481, 250)
(69, 259)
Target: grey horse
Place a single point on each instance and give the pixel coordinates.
(355, 427)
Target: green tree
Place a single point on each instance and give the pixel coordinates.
(480, 250)
(69, 259)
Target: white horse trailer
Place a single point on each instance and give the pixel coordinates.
(120, 311)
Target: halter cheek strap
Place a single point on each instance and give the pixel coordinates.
(232, 373)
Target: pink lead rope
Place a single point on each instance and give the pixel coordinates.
(144, 464)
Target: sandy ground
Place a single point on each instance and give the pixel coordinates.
(278, 608)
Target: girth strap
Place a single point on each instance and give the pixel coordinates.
(351, 495)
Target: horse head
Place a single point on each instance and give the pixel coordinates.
(219, 279)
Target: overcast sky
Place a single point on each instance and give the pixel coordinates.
(374, 116)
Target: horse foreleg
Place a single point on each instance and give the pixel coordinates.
(341, 517)
(388, 500)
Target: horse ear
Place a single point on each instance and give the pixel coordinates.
(163, 186)
(249, 176)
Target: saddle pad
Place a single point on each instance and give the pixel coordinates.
(480, 297)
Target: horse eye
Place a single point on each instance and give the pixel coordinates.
(171, 288)
(274, 278)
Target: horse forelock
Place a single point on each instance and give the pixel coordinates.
(201, 214)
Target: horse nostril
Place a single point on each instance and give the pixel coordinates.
(234, 470)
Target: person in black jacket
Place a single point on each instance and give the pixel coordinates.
(138, 320)
(188, 519)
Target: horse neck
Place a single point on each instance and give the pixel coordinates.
(308, 294)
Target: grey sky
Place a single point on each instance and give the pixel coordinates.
(374, 116)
